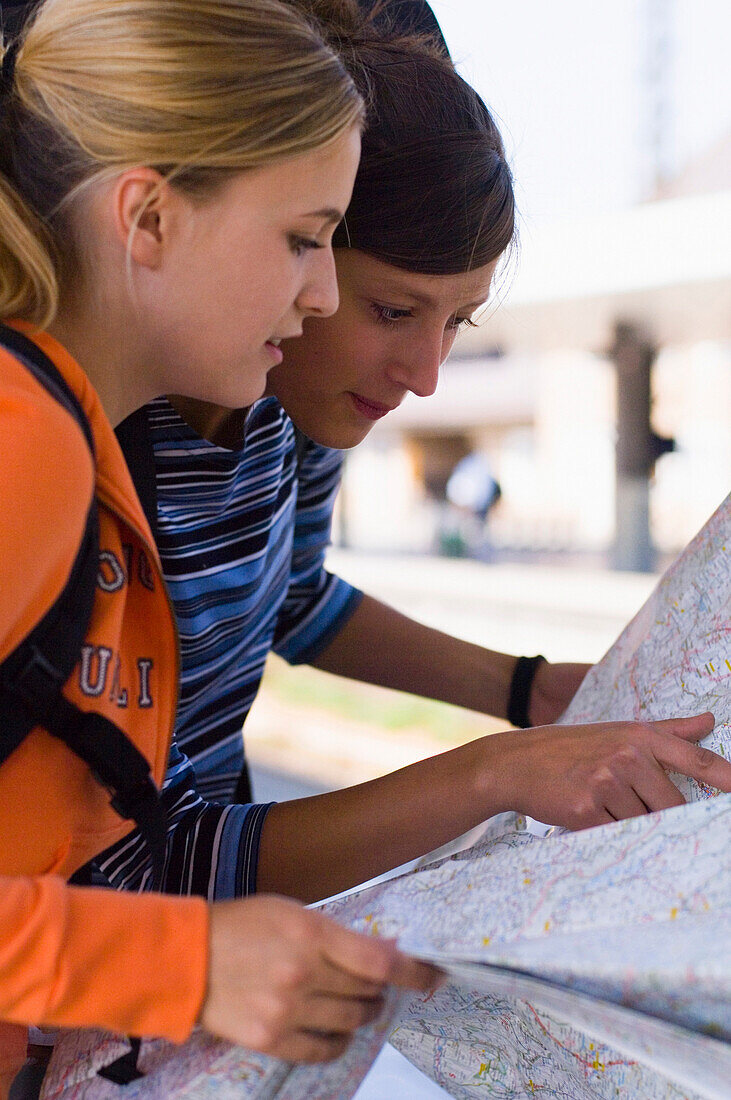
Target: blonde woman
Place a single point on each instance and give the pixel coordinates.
(168, 195)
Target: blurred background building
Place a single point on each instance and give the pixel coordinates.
(598, 383)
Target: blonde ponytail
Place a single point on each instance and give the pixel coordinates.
(28, 284)
(27, 270)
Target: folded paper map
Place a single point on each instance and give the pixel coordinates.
(583, 965)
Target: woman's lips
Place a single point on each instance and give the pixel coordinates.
(374, 410)
(275, 351)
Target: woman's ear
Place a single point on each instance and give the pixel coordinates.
(141, 202)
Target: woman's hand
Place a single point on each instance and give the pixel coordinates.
(288, 982)
(580, 776)
(553, 688)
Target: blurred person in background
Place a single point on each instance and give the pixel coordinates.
(471, 492)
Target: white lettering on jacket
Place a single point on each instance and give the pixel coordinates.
(93, 670)
(94, 675)
(144, 667)
(111, 576)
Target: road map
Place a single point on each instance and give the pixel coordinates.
(584, 965)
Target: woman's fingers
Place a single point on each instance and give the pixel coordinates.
(626, 803)
(702, 764)
(635, 782)
(337, 982)
(339, 1015)
(576, 775)
(602, 817)
(310, 1046)
(289, 982)
(374, 960)
(654, 790)
(694, 728)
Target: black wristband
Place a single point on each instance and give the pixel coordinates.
(520, 685)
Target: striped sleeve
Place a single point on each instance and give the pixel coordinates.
(212, 849)
(317, 604)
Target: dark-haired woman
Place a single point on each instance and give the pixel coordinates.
(243, 521)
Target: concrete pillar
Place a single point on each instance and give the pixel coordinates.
(638, 447)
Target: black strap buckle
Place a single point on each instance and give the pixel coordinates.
(37, 683)
(124, 1069)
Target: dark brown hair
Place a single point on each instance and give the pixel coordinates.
(434, 192)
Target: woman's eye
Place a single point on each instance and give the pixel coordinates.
(388, 315)
(299, 245)
(461, 322)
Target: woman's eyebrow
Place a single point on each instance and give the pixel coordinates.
(425, 299)
(329, 213)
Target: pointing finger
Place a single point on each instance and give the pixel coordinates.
(690, 729)
(694, 760)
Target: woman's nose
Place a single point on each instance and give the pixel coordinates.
(417, 369)
(319, 296)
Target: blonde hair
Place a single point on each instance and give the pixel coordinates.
(197, 89)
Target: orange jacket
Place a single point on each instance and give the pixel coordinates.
(73, 956)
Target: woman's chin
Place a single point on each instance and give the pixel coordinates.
(343, 437)
(340, 430)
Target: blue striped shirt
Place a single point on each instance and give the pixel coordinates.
(242, 536)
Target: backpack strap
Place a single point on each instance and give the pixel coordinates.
(33, 675)
(133, 435)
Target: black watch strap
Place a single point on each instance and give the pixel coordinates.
(520, 687)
